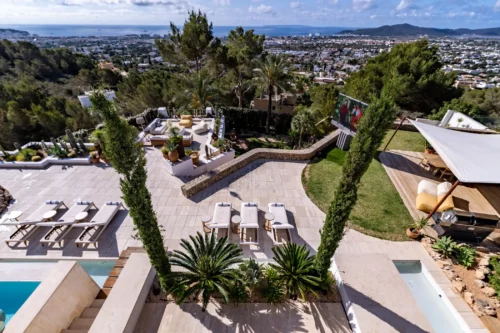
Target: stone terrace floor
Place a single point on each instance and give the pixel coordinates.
(262, 182)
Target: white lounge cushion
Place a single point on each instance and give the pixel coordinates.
(426, 186)
(103, 216)
(70, 216)
(249, 215)
(222, 215)
(280, 218)
(443, 188)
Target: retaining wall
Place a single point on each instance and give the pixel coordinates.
(196, 185)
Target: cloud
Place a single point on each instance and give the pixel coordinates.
(497, 5)
(404, 4)
(222, 2)
(262, 9)
(334, 2)
(143, 3)
(360, 5)
(295, 4)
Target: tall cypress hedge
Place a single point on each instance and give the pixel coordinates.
(370, 133)
(128, 160)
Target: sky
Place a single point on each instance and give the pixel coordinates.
(338, 13)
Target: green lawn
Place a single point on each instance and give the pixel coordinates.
(379, 211)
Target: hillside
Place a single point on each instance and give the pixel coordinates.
(13, 31)
(411, 30)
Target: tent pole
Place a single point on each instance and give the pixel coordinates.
(443, 199)
(394, 134)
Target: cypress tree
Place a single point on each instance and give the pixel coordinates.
(128, 159)
(370, 133)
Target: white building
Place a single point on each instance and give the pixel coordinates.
(85, 99)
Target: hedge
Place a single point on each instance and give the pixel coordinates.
(251, 119)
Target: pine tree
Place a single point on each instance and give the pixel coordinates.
(371, 131)
(129, 160)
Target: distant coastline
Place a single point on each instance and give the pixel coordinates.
(122, 30)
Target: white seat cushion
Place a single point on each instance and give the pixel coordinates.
(427, 187)
(443, 188)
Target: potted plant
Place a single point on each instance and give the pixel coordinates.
(414, 229)
(173, 154)
(94, 157)
(164, 151)
(195, 156)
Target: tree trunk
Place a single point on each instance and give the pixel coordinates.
(240, 91)
(269, 109)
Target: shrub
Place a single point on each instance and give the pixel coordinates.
(97, 136)
(255, 120)
(251, 272)
(72, 154)
(445, 246)
(188, 152)
(93, 154)
(465, 255)
(273, 290)
(25, 155)
(238, 293)
(494, 278)
(36, 158)
(207, 263)
(295, 268)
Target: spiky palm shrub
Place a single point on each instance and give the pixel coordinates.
(371, 131)
(295, 268)
(207, 262)
(129, 161)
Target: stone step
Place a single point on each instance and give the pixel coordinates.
(81, 324)
(97, 303)
(90, 313)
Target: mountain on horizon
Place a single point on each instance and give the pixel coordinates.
(412, 30)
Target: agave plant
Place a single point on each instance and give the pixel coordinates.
(295, 268)
(445, 245)
(207, 262)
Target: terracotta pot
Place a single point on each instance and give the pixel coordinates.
(180, 150)
(412, 233)
(173, 156)
(95, 160)
(195, 157)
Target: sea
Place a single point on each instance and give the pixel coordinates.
(122, 30)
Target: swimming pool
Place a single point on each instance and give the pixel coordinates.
(13, 295)
(29, 270)
(433, 303)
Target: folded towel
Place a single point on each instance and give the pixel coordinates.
(53, 202)
(277, 204)
(116, 203)
(250, 204)
(84, 202)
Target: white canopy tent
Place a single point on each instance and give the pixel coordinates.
(473, 158)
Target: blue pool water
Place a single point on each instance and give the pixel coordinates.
(98, 270)
(13, 295)
(430, 302)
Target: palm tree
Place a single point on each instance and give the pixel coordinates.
(207, 262)
(272, 77)
(301, 83)
(197, 91)
(295, 267)
(303, 122)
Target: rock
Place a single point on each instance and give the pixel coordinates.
(5, 199)
(482, 307)
(443, 264)
(469, 298)
(482, 249)
(450, 275)
(480, 275)
(480, 283)
(488, 291)
(459, 286)
(484, 262)
(486, 270)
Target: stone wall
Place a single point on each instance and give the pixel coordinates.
(5, 198)
(196, 185)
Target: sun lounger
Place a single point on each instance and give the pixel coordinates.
(27, 227)
(92, 230)
(280, 226)
(60, 228)
(222, 217)
(249, 225)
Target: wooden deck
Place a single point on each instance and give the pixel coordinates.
(405, 173)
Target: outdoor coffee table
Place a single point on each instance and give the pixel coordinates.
(269, 218)
(205, 219)
(236, 220)
(49, 216)
(81, 216)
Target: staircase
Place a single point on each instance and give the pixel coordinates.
(82, 324)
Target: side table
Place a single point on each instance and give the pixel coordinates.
(205, 219)
(269, 218)
(236, 220)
